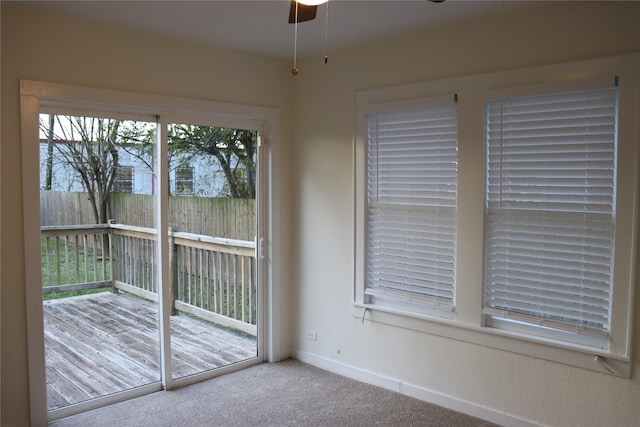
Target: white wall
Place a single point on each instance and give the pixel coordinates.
(467, 376)
(47, 47)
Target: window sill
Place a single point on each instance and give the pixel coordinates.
(572, 355)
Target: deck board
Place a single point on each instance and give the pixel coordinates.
(99, 344)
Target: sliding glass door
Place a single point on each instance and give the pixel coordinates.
(147, 239)
(99, 278)
(211, 237)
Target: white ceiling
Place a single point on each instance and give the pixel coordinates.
(261, 27)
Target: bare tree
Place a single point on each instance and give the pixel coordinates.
(49, 160)
(90, 146)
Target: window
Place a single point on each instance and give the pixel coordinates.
(123, 181)
(550, 210)
(411, 207)
(184, 181)
(532, 217)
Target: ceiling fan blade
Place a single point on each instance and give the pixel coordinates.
(305, 13)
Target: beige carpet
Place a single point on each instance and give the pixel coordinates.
(288, 393)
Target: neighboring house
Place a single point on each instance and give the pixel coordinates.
(193, 175)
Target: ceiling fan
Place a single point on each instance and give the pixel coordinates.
(307, 9)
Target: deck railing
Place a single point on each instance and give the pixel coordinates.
(73, 257)
(212, 278)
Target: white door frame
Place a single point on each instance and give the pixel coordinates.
(39, 97)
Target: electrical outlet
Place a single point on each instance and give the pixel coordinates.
(312, 335)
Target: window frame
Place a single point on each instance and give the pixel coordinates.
(124, 184)
(403, 300)
(467, 321)
(491, 318)
(179, 182)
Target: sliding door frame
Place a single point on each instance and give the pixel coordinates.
(39, 97)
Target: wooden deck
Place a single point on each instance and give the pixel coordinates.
(99, 344)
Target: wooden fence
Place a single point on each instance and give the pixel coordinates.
(220, 217)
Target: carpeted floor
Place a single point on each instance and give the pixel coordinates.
(288, 393)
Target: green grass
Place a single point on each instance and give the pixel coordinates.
(72, 267)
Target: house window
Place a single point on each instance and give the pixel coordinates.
(550, 211)
(123, 181)
(184, 181)
(411, 207)
(543, 212)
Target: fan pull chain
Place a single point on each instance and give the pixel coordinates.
(294, 70)
(326, 33)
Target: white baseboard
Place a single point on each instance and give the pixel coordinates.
(417, 392)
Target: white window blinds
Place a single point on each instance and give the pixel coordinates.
(411, 207)
(550, 203)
